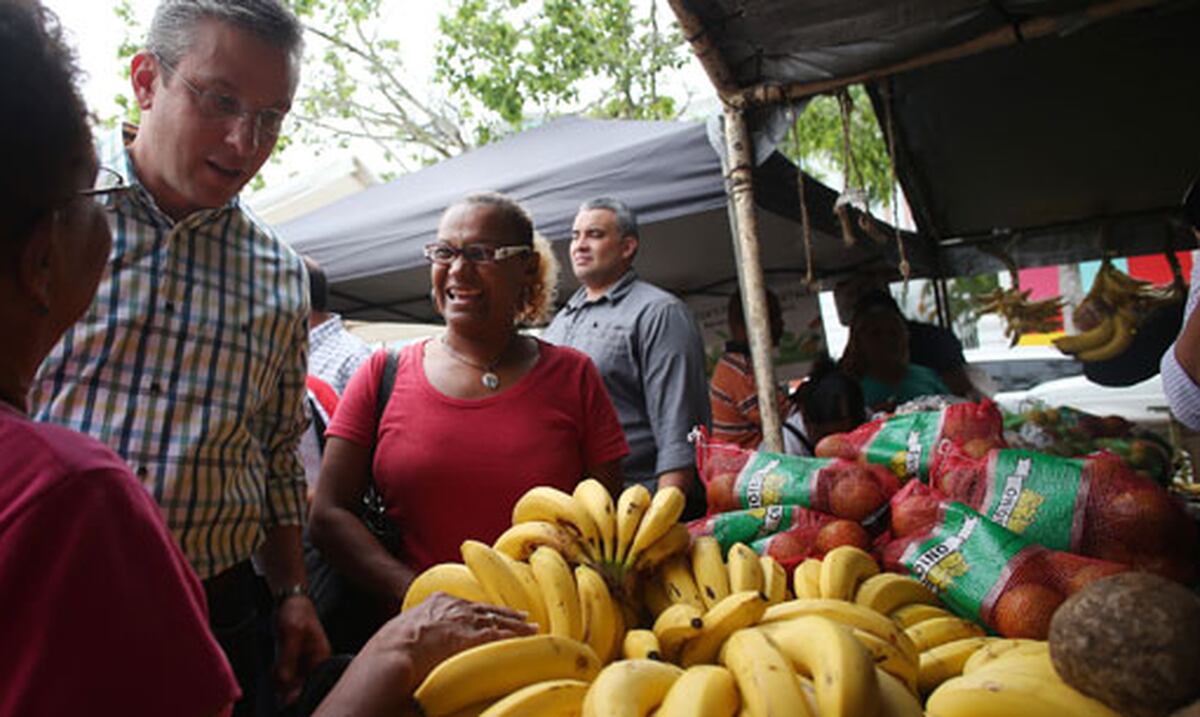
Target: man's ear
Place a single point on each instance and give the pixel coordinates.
(629, 247)
(143, 70)
(34, 262)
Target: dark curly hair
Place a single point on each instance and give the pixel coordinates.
(44, 134)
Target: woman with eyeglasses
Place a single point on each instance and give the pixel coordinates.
(476, 417)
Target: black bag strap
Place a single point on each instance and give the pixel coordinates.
(383, 394)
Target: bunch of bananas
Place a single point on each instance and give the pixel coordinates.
(1021, 316)
(1110, 313)
(635, 621)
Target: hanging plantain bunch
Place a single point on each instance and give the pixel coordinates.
(1021, 315)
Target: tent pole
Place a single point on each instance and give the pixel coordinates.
(705, 49)
(740, 187)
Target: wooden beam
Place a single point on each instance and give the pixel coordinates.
(772, 93)
(739, 169)
(705, 49)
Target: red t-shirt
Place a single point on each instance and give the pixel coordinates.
(450, 469)
(99, 610)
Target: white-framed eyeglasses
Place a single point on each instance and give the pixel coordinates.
(444, 253)
(212, 105)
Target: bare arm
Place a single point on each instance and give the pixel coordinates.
(339, 533)
(681, 478)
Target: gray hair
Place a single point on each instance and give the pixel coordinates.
(173, 27)
(626, 219)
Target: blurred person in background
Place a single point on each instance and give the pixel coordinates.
(732, 391)
(829, 401)
(877, 354)
(1180, 364)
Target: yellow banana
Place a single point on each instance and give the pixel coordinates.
(552, 698)
(766, 680)
(675, 625)
(641, 645)
(887, 591)
(556, 581)
(677, 578)
(945, 661)
(673, 542)
(745, 572)
(774, 580)
(894, 699)
(519, 541)
(843, 569)
(996, 649)
(1094, 337)
(1008, 694)
(665, 508)
(474, 710)
(1124, 328)
(451, 578)
(709, 571)
(497, 669)
(654, 595)
(631, 506)
(533, 595)
(739, 610)
(701, 691)
(890, 658)
(806, 579)
(554, 506)
(1033, 665)
(841, 669)
(603, 623)
(908, 615)
(500, 580)
(940, 630)
(598, 503)
(848, 614)
(630, 688)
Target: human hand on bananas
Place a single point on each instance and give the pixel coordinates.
(382, 678)
(1021, 316)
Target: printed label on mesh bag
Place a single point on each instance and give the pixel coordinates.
(1034, 494)
(963, 559)
(905, 444)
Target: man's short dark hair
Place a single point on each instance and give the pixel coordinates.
(44, 134)
(318, 285)
(626, 220)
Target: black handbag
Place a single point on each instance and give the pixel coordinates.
(372, 511)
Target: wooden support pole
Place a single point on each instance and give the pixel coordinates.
(739, 171)
(705, 49)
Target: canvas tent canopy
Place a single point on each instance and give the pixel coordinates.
(370, 244)
(1051, 129)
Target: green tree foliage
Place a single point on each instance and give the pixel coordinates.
(818, 145)
(521, 59)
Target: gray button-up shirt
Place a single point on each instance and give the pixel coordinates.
(648, 349)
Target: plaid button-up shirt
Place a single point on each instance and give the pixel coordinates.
(190, 364)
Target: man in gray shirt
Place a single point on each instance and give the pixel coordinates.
(645, 343)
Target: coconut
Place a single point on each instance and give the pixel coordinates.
(1131, 641)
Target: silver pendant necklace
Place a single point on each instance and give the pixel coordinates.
(489, 378)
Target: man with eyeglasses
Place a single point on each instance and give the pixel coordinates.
(191, 360)
(1180, 363)
(646, 345)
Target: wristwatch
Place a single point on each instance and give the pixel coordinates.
(290, 591)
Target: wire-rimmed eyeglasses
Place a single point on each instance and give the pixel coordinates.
(443, 253)
(267, 123)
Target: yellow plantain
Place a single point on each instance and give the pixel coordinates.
(631, 506)
(598, 503)
(708, 569)
(745, 572)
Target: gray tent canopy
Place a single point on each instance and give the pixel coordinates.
(1053, 129)
(370, 243)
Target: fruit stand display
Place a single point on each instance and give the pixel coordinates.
(785, 601)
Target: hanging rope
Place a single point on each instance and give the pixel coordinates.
(805, 224)
(849, 169)
(890, 130)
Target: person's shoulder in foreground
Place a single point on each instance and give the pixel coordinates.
(80, 533)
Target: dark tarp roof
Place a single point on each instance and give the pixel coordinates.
(1095, 124)
(370, 244)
